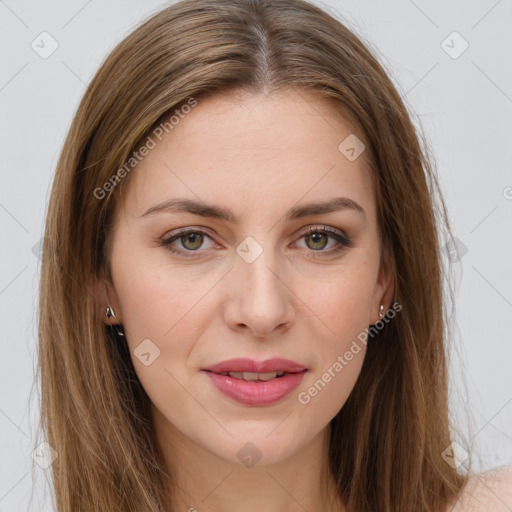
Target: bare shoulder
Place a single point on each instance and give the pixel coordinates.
(486, 492)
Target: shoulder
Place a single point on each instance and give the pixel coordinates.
(486, 492)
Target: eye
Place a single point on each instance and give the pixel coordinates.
(317, 239)
(190, 240)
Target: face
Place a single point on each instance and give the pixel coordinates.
(263, 278)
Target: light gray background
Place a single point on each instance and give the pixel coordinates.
(464, 105)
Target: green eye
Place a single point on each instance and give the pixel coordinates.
(195, 239)
(317, 241)
(191, 241)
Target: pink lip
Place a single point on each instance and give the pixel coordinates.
(275, 364)
(256, 392)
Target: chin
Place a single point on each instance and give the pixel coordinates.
(254, 451)
(258, 442)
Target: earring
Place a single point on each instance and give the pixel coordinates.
(109, 313)
(381, 311)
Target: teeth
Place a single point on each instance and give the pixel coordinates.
(265, 376)
(251, 376)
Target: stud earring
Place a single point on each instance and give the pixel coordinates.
(381, 311)
(109, 313)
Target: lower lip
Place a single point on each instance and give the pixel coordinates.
(257, 392)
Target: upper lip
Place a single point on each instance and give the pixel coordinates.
(275, 364)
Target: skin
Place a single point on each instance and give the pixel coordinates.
(486, 492)
(259, 156)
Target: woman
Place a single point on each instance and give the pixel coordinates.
(241, 298)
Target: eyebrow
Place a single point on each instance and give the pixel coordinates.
(185, 205)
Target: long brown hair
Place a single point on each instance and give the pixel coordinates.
(387, 441)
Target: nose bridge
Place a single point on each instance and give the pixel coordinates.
(257, 265)
(262, 298)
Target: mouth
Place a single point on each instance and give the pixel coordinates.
(252, 376)
(266, 368)
(256, 377)
(256, 383)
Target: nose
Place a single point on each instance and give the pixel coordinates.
(260, 300)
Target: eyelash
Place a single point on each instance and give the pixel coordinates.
(343, 240)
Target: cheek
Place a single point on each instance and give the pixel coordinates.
(343, 309)
(160, 306)
(156, 300)
(166, 306)
(343, 304)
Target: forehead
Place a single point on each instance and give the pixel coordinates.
(246, 149)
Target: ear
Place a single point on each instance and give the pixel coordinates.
(105, 295)
(384, 287)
